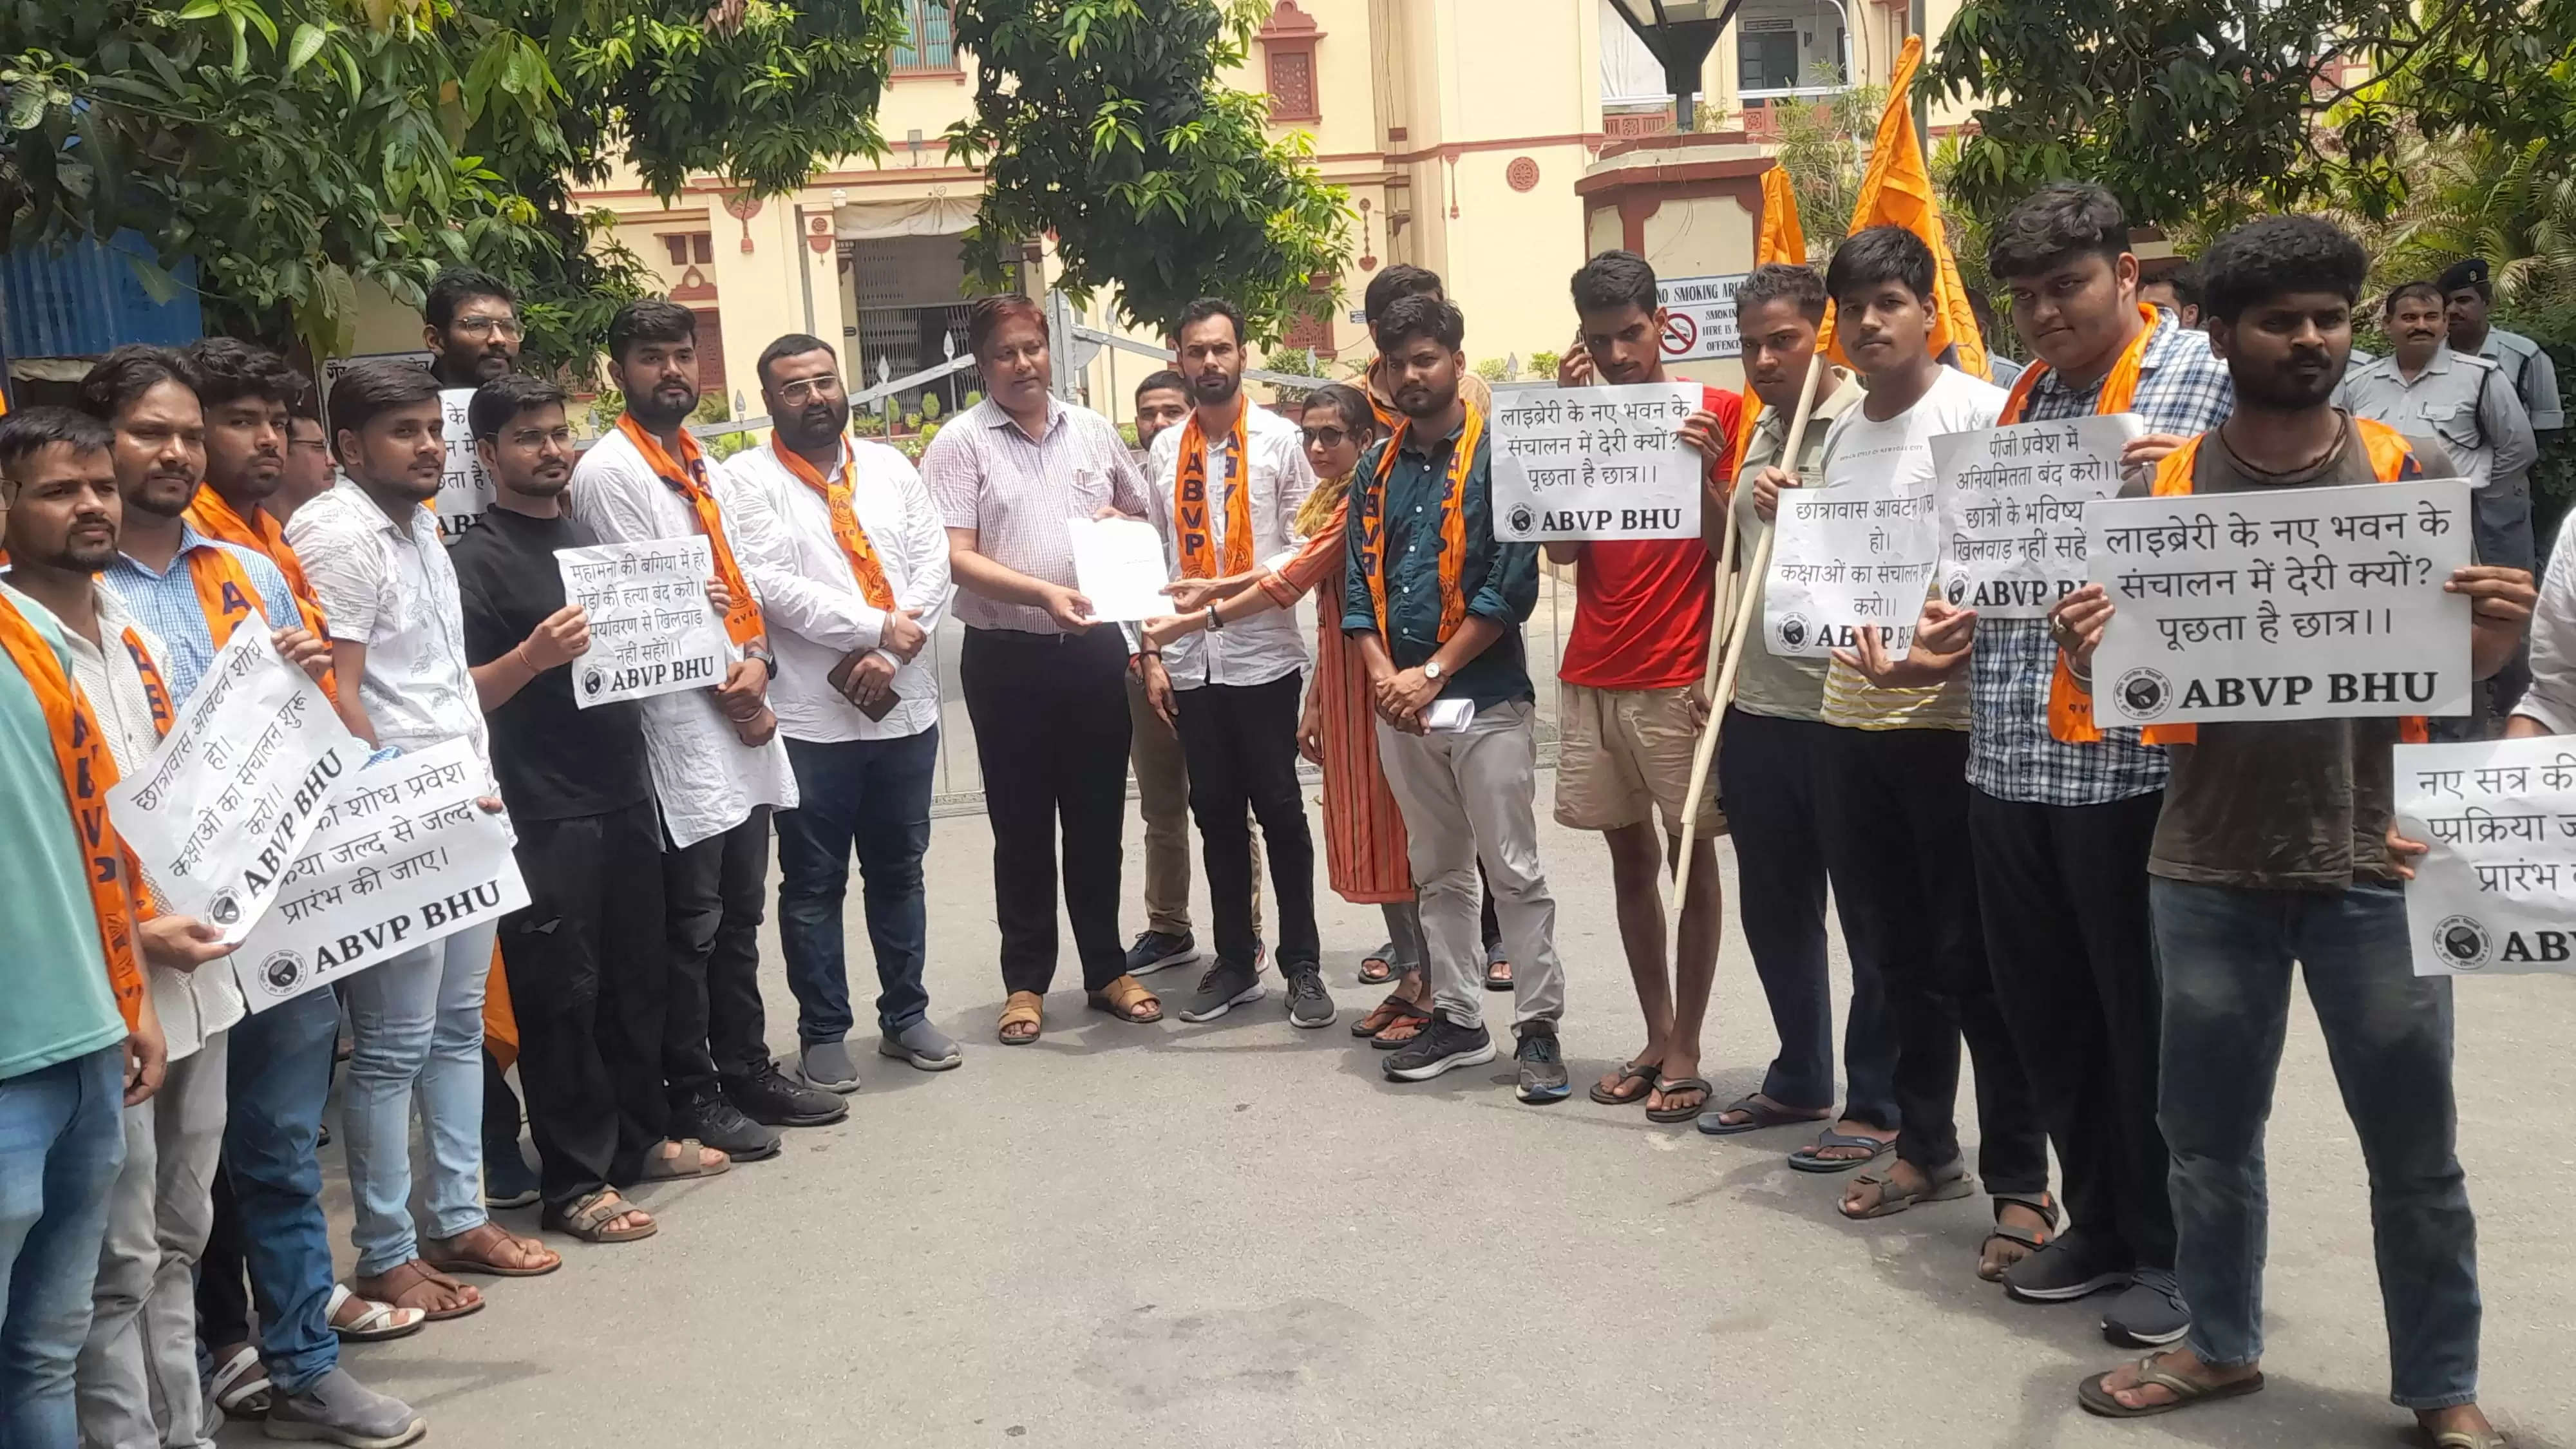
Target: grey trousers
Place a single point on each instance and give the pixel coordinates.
(1465, 796)
(138, 1371)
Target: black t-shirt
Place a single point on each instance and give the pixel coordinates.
(555, 761)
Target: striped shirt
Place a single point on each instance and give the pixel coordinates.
(1017, 493)
(166, 603)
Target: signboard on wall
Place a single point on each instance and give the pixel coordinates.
(1700, 320)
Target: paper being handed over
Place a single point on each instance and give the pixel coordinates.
(1118, 565)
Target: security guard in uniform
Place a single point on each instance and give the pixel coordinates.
(2528, 370)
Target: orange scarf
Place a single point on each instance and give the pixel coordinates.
(2119, 389)
(155, 692)
(687, 477)
(224, 593)
(1190, 502)
(864, 564)
(1370, 505)
(80, 753)
(212, 516)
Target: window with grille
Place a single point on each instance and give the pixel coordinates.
(929, 37)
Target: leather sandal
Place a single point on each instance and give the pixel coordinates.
(1127, 999)
(1024, 1008)
(2029, 1240)
(417, 1285)
(589, 1219)
(476, 1250)
(1947, 1183)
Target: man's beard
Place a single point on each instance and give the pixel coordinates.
(542, 486)
(144, 498)
(1215, 390)
(253, 482)
(816, 425)
(2284, 391)
(1423, 402)
(649, 411)
(85, 557)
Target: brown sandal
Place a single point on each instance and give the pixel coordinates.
(476, 1250)
(589, 1219)
(418, 1285)
(1127, 999)
(1023, 1008)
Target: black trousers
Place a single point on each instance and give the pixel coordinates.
(1896, 824)
(2063, 890)
(1240, 742)
(713, 1028)
(1050, 716)
(589, 964)
(223, 1274)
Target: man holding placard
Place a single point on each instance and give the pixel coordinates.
(470, 323)
(2273, 846)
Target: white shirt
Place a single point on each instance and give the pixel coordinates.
(708, 780)
(2551, 699)
(782, 536)
(1017, 492)
(192, 1005)
(1268, 645)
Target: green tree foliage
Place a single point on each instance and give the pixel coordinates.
(1104, 123)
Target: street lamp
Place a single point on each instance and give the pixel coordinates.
(1680, 33)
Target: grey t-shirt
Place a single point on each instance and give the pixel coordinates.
(2289, 804)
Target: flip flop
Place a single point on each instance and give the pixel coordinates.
(1893, 1199)
(380, 1322)
(2097, 1399)
(1628, 1072)
(1387, 1013)
(240, 1386)
(1806, 1160)
(1671, 1115)
(1765, 1116)
(1378, 967)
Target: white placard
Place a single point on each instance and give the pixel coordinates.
(652, 629)
(2289, 603)
(2012, 509)
(403, 857)
(1118, 565)
(1845, 559)
(464, 492)
(1699, 316)
(2496, 893)
(234, 790)
(1596, 463)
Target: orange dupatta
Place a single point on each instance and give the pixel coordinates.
(687, 477)
(1190, 502)
(80, 753)
(1369, 504)
(2119, 388)
(212, 516)
(864, 564)
(224, 593)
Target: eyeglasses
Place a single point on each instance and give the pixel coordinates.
(1326, 437)
(808, 389)
(486, 326)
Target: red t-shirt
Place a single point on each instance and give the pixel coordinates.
(1642, 606)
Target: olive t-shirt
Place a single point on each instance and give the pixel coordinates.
(2283, 804)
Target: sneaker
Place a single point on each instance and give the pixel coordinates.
(1442, 1045)
(1542, 1066)
(1224, 987)
(925, 1046)
(2150, 1314)
(2076, 1264)
(508, 1180)
(768, 1097)
(827, 1064)
(717, 1123)
(1309, 1004)
(337, 1409)
(1155, 950)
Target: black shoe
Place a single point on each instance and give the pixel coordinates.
(1542, 1065)
(508, 1180)
(717, 1123)
(1309, 1004)
(1443, 1044)
(2077, 1264)
(1222, 988)
(2151, 1314)
(1155, 950)
(768, 1097)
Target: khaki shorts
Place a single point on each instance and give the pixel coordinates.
(1623, 756)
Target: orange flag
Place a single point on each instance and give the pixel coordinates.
(1782, 239)
(1897, 191)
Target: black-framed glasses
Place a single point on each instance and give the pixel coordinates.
(1326, 437)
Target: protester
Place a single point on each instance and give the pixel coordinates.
(1435, 605)
(851, 563)
(308, 473)
(1895, 805)
(2464, 399)
(2177, 291)
(2272, 846)
(1770, 762)
(470, 323)
(1162, 401)
(587, 960)
(245, 392)
(1632, 696)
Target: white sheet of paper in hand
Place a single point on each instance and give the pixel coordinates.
(1449, 716)
(1118, 565)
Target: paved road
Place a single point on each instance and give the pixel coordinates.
(1239, 1234)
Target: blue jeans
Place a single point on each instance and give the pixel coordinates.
(279, 1074)
(2225, 957)
(874, 796)
(62, 1140)
(417, 1025)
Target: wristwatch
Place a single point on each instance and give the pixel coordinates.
(768, 665)
(1215, 620)
(1432, 671)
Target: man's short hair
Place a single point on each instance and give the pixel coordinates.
(2185, 281)
(1612, 280)
(226, 369)
(30, 431)
(1164, 381)
(985, 316)
(1401, 280)
(2055, 224)
(2404, 290)
(118, 380)
(1791, 282)
(498, 403)
(1420, 315)
(370, 389)
(455, 287)
(1880, 254)
(2273, 256)
(646, 319)
(1206, 307)
(794, 344)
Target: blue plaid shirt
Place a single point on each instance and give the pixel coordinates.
(166, 604)
(2183, 389)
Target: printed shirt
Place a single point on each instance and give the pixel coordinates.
(1499, 580)
(1017, 493)
(1642, 605)
(782, 535)
(2183, 389)
(1268, 645)
(1779, 685)
(2466, 402)
(192, 1005)
(707, 779)
(166, 603)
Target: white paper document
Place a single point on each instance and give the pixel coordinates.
(1847, 559)
(1449, 716)
(2292, 603)
(1596, 463)
(652, 630)
(464, 490)
(2012, 509)
(218, 813)
(1118, 565)
(404, 857)
(2496, 894)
